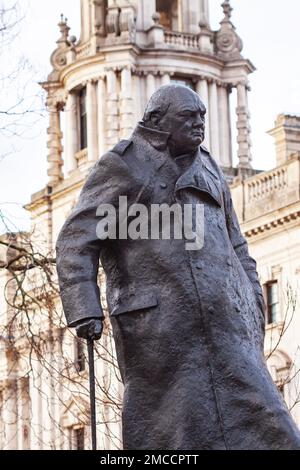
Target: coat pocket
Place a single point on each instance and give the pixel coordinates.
(134, 303)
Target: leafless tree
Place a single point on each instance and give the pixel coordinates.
(21, 99)
(39, 348)
(36, 348)
(35, 333)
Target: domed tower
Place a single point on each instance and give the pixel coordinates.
(127, 49)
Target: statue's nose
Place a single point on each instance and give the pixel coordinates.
(199, 122)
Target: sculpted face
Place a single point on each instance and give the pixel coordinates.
(184, 119)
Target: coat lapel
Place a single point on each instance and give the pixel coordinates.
(201, 177)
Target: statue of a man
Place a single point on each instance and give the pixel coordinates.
(188, 323)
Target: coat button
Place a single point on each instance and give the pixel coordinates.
(163, 185)
(228, 261)
(199, 266)
(211, 310)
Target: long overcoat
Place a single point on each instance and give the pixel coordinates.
(188, 324)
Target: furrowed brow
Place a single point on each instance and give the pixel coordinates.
(188, 110)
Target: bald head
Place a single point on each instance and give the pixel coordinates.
(170, 98)
(178, 110)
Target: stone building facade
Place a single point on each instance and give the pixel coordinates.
(268, 208)
(96, 92)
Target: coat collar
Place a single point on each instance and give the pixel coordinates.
(197, 177)
(158, 139)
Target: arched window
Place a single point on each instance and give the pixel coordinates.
(168, 10)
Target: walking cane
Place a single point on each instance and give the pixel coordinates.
(90, 345)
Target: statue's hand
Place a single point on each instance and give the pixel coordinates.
(90, 329)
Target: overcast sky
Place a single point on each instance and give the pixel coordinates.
(270, 33)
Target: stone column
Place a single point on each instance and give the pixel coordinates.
(202, 90)
(150, 85)
(243, 127)
(57, 387)
(190, 15)
(101, 116)
(225, 127)
(46, 371)
(180, 15)
(10, 415)
(165, 79)
(85, 20)
(23, 414)
(72, 147)
(183, 16)
(36, 409)
(92, 126)
(126, 104)
(112, 109)
(54, 145)
(214, 121)
(204, 12)
(145, 10)
(139, 94)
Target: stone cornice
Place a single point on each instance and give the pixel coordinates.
(241, 63)
(136, 57)
(169, 70)
(274, 224)
(66, 186)
(139, 54)
(84, 63)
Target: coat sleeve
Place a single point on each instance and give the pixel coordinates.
(78, 248)
(240, 246)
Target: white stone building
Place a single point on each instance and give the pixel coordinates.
(96, 92)
(268, 208)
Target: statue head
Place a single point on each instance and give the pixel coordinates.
(178, 110)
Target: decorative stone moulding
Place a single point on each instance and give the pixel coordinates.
(121, 22)
(227, 43)
(112, 21)
(273, 224)
(59, 56)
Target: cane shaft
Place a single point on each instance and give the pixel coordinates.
(92, 392)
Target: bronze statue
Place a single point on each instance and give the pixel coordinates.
(188, 323)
